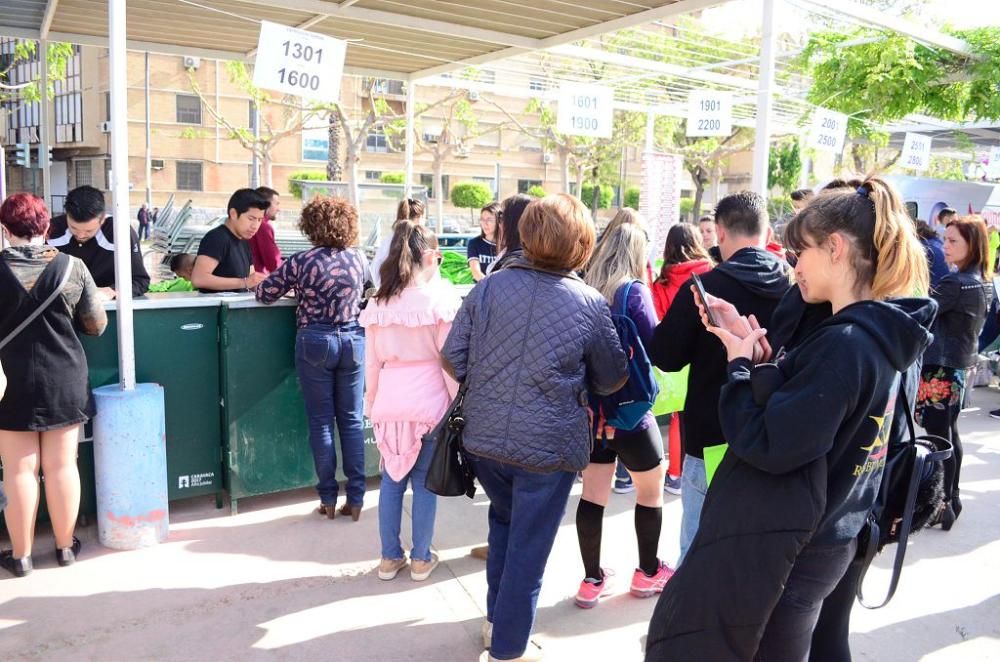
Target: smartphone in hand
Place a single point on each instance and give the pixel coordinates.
(700, 288)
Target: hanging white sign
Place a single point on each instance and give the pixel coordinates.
(829, 128)
(299, 62)
(916, 152)
(586, 110)
(710, 113)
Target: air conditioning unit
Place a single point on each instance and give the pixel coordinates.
(105, 127)
(546, 158)
(461, 152)
(156, 164)
(191, 62)
(473, 95)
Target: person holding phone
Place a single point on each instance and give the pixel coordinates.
(808, 427)
(754, 281)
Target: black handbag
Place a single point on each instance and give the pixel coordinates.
(450, 473)
(911, 494)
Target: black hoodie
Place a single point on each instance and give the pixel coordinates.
(837, 400)
(754, 281)
(98, 253)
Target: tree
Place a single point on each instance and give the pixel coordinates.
(25, 51)
(631, 197)
(784, 166)
(279, 118)
(878, 78)
(471, 196)
(537, 191)
(459, 128)
(601, 193)
(334, 132)
(705, 158)
(392, 177)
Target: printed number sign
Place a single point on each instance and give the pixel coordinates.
(301, 63)
(586, 110)
(829, 129)
(916, 152)
(710, 113)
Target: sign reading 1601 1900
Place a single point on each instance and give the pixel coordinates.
(300, 63)
(585, 110)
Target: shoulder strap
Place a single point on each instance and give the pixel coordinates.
(628, 288)
(67, 270)
(916, 472)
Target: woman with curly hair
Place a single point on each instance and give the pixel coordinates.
(328, 281)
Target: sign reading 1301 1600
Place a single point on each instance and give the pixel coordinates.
(299, 62)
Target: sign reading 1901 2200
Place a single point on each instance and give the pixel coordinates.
(298, 62)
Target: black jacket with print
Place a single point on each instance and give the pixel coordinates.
(98, 253)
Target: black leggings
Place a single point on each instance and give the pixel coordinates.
(944, 423)
(831, 639)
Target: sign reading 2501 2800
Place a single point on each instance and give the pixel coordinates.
(298, 62)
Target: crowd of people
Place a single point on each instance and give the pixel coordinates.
(817, 334)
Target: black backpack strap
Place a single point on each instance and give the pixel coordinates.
(60, 265)
(913, 486)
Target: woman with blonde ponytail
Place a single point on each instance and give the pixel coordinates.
(408, 392)
(808, 427)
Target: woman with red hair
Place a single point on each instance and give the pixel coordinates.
(48, 396)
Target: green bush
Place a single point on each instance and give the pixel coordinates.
(604, 201)
(537, 191)
(392, 177)
(632, 197)
(308, 175)
(471, 196)
(687, 206)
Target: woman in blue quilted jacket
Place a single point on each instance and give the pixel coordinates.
(530, 343)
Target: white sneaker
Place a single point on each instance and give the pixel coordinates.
(421, 570)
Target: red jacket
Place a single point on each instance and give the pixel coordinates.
(669, 283)
(264, 250)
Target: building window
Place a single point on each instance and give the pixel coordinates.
(488, 77)
(491, 182)
(316, 144)
(83, 173)
(428, 181)
(188, 109)
(523, 185)
(377, 141)
(189, 176)
(536, 84)
(107, 174)
(22, 118)
(373, 175)
(385, 86)
(252, 124)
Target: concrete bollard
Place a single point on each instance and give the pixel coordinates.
(130, 464)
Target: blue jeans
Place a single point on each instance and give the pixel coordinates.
(526, 509)
(693, 489)
(390, 510)
(330, 361)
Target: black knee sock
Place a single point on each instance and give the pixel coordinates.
(647, 532)
(589, 522)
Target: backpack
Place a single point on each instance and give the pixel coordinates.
(910, 495)
(625, 408)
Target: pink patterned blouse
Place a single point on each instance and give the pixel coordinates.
(328, 285)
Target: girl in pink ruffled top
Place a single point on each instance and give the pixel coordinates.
(408, 392)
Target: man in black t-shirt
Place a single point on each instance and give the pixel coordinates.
(85, 232)
(224, 263)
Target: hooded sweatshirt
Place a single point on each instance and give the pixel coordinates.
(835, 398)
(671, 278)
(754, 281)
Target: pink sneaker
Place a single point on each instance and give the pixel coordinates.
(646, 587)
(590, 592)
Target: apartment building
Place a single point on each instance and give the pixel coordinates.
(194, 157)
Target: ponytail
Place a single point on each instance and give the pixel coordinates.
(409, 209)
(410, 241)
(887, 255)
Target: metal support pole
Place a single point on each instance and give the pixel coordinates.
(650, 131)
(43, 124)
(149, 147)
(255, 161)
(119, 191)
(765, 100)
(411, 139)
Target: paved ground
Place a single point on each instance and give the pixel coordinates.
(278, 582)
